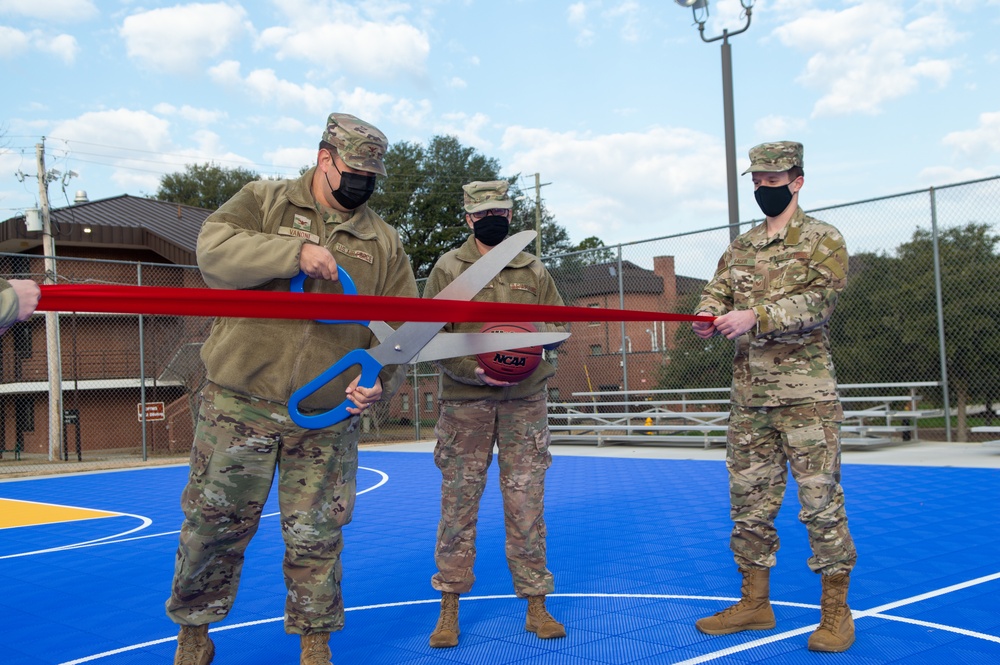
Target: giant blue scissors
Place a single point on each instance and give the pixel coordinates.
(418, 341)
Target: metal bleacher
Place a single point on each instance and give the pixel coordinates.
(697, 417)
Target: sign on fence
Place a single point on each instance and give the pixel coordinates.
(154, 411)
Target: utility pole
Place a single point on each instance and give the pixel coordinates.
(538, 213)
(51, 318)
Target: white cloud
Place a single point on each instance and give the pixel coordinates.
(267, 88)
(770, 127)
(15, 43)
(340, 37)
(284, 159)
(979, 143)
(936, 176)
(457, 82)
(191, 114)
(466, 128)
(62, 46)
(627, 12)
(141, 131)
(50, 10)
(611, 185)
(363, 103)
(410, 114)
(868, 53)
(624, 15)
(178, 39)
(576, 15)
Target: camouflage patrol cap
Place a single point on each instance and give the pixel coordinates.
(775, 157)
(486, 195)
(358, 143)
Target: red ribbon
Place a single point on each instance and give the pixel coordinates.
(277, 305)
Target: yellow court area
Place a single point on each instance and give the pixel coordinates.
(27, 513)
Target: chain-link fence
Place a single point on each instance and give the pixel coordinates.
(922, 305)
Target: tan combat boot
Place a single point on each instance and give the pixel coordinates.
(194, 646)
(836, 627)
(446, 631)
(753, 612)
(315, 649)
(540, 622)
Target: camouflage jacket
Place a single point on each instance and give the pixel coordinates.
(792, 282)
(524, 281)
(253, 242)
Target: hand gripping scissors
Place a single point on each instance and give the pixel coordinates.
(418, 341)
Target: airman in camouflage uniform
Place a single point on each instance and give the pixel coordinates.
(260, 239)
(478, 412)
(774, 292)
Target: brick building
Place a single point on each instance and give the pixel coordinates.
(106, 373)
(600, 356)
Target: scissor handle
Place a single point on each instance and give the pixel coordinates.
(297, 285)
(370, 368)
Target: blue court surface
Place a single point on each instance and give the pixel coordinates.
(639, 549)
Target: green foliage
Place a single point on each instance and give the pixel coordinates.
(422, 198)
(694, 362)
(422, 195)
(885, 327)
(204, 185)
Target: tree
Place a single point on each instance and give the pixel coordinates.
(204, 185)
(595, 251)
(422, 195)
(886, 328)
(422, 198)
(694, 362)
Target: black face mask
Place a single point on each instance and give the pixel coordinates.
(354, 189)
(491, 229)
(773, 200)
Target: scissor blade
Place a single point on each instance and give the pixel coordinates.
(454, 345)
(403, 346)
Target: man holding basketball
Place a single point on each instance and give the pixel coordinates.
(478, 412)
(774, 292)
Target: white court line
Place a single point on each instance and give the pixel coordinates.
(144, 522)
(873, 612)
(118, 537)
(699, 659)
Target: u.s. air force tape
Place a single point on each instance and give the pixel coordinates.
(156, 300)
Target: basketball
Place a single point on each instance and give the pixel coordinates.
(512, 365)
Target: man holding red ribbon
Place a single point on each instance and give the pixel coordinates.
(259, 239)
(774, 292)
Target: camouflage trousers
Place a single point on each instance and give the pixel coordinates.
(762, 444)
(239, 443)
(466, 433)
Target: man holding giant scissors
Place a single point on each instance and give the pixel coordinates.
(261, 238)
(478, 412)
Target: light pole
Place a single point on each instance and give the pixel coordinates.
(727, 98)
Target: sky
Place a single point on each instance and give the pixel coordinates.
(617, 104)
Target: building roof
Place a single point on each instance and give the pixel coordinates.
(602, 278)
(168, 229)
(688, 285)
